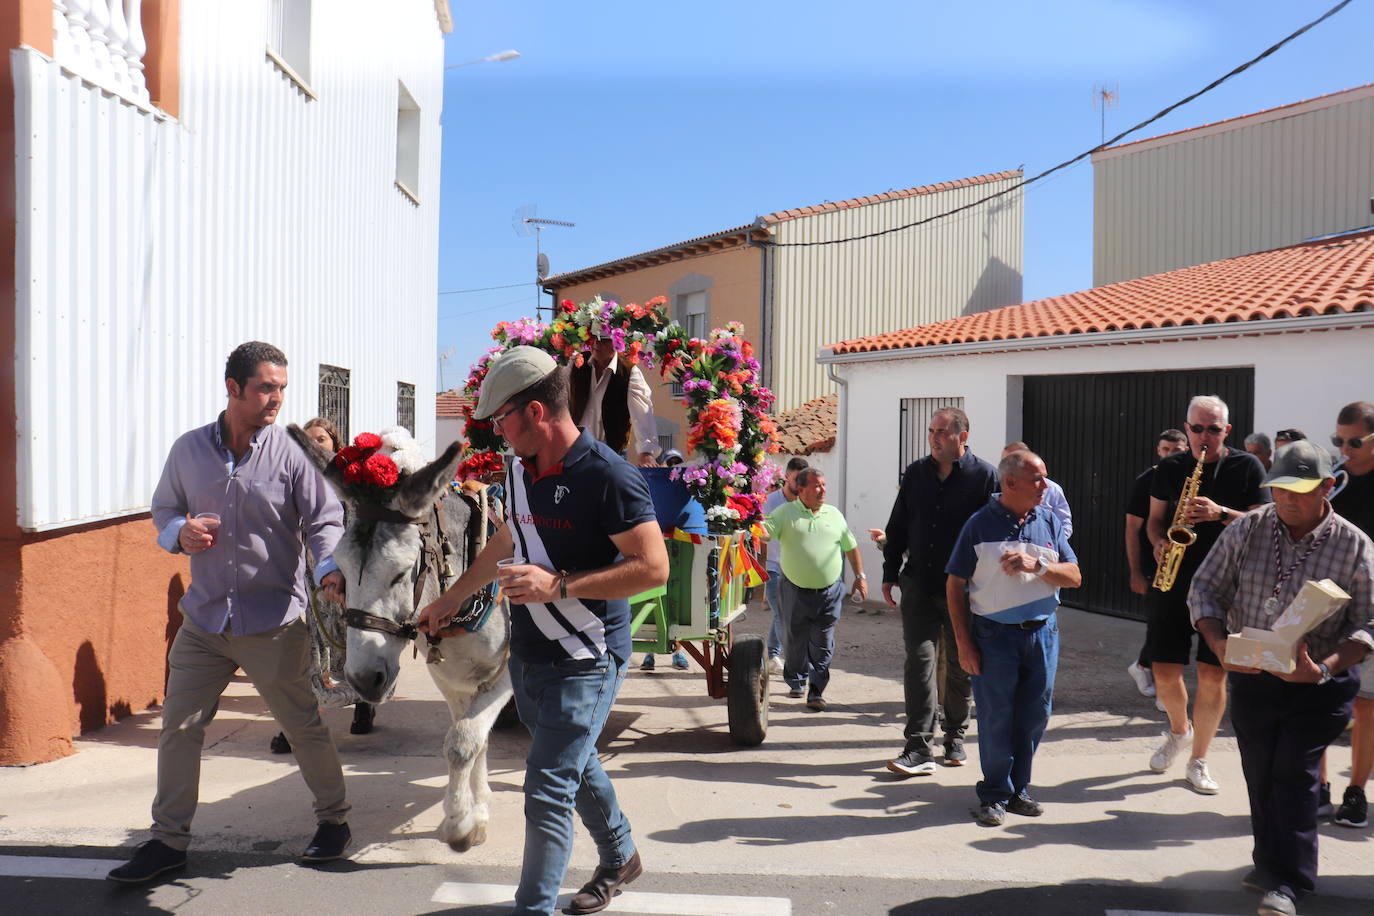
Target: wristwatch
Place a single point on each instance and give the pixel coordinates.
(861, 575)
(1042, 566)
(1224, 514)
(1326, 673)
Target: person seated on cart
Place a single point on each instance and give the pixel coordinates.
(816, 540)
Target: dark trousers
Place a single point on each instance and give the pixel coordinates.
(927, 632)
(811, 615)
(1283, 730)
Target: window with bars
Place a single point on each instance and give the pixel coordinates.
(690, 310)
(405, 406)
(916, 414)
(335, 384)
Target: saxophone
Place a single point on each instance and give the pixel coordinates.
(1181, 534)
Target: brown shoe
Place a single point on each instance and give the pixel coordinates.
(596, 894)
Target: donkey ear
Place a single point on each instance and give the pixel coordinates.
(422, 487)
(322, 460)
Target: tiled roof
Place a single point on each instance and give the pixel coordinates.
(810, 427)
(449, 405)
(851, 203)
(1323, 277)
(757, 230)
(1267, 114)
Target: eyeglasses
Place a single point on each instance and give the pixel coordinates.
(500, 418)
(1356, 443)
(1198, 429)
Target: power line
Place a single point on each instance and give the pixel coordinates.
(482, 289)
(1083, 155)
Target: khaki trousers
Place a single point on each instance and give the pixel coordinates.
(278, 663)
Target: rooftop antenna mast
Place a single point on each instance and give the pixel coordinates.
(1105, 95)
(524, 222)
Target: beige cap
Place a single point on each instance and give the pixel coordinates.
(509, 374)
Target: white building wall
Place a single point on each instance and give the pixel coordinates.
(954, 266)
(1294, 386)
(1257, 183)
(150, 247)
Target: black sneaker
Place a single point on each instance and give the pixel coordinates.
(1354, 810)
(955, 755)
(991, 815)
(280, 744)
(816, 702)
(151, 859)
(329, 843)
(912, 763)
(1025, 806)
(1324, 807)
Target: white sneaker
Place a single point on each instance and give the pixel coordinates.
(1159, 704)
(1169, 750)
(775, 664)
(1144, 679)
(1200, 778)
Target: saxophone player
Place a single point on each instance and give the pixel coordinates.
(1229, 487)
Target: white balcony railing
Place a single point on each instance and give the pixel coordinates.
(102, 42)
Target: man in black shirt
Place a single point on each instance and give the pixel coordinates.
(1355, 503)
(1140, 555)
(937, 495)
(1229, 487)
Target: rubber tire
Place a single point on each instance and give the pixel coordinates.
(746, 691)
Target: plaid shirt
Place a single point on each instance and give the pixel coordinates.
(1238, 576)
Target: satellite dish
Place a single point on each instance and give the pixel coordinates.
(520, 220)
(541, 265)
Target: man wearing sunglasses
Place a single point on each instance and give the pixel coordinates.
(1355, 503)
(1229, 487)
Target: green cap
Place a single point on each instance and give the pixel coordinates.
(509, 374)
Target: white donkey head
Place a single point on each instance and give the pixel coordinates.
(379, 556)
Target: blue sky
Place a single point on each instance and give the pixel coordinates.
(647, 123)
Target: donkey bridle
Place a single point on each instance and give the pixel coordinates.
(433, 554)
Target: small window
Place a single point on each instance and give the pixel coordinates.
(334, 391)
(405, 406)
(913, 422)
(407, 143)
(665, 443)
(690, 310)
(288, 39)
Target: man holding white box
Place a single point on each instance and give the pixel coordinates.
(1284, 719)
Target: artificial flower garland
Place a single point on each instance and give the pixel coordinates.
(727, 408)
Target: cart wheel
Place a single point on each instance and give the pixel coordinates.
(747, 691)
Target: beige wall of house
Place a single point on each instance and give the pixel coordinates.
(725, 283)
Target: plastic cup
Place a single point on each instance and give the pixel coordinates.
(501, 565)
(212, 522)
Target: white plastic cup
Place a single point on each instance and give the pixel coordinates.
(211, 521)
(516, 560)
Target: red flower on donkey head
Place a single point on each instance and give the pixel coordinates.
(361, 464)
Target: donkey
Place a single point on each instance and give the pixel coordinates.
(401, 547)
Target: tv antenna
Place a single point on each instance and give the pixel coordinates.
(524, 222)
(1105, 95)
(444, 357)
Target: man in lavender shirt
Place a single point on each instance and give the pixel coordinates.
(244, 606)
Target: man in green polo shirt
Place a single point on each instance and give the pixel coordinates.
(815, 540)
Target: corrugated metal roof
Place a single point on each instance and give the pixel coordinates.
(832, 206)
(1323, 277)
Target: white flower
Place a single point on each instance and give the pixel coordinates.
(401, 447)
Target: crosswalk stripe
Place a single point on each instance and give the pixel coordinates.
(639, 902)
(51, 867)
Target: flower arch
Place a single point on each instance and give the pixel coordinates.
(730, 430)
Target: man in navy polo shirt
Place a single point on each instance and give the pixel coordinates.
(582, 519)
(1008, 565)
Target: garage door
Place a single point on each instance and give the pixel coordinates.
(1096, 433)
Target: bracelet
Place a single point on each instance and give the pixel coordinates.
(562, 583)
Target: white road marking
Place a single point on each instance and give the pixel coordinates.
(48, 867)
(638, 902)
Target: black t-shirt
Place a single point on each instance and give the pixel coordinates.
(1355, 503)
(1233, 482)
(1138, 504)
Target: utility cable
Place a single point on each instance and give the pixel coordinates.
(1021, 184)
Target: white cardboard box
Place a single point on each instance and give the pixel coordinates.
(1274, 649)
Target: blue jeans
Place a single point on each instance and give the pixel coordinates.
(564, 705)
(812, 614)
(777, 633)
(1014, 695)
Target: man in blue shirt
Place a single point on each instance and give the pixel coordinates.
(582, 518)
(1007, 567)
(243, 609)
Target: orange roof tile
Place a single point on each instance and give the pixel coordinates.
(1323, 277)
(449, 404)
(809, 428)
